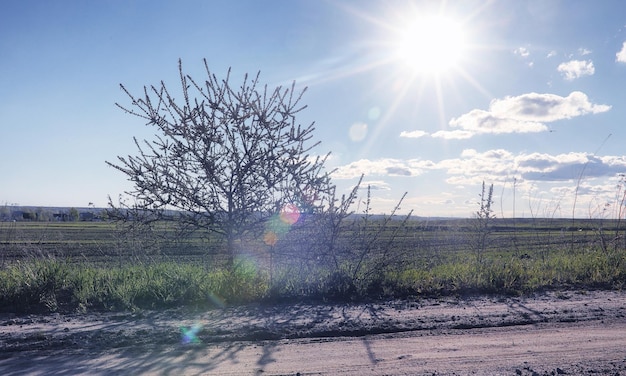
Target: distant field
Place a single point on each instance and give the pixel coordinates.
(99, 241)
(93, 242)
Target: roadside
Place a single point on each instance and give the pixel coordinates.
(247, 339)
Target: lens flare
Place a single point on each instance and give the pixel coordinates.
(290, 214)
(270, 238)
(216, 300)
(374, 113)
(190, 335)
(358, 132)
(279, 225)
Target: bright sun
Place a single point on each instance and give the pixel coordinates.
(431, 45)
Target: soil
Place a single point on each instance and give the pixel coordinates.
(551, 333)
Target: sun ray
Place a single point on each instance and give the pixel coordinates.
(420, 53)
(430, 45)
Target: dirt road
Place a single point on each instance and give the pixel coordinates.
(571, 333)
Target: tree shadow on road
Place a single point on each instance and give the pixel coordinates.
(168, 342)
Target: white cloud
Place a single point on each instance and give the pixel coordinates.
(583, 51)
(570, 166)
(382, 167)
(574, 69)
(545, 107)
(522, 114)
(413, 134)
(480, 121)
(473, 166)
(375, 185)
(499, 165)
(620, 57)
(540, 176)
(551, 54)
(522, 51)
(455, 134)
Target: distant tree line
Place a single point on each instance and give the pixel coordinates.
(34, 214)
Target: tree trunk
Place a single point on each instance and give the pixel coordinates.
(230, 252)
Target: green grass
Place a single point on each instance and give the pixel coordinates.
(50, 285)
(80, 267)
(514, 275)
(40, 285)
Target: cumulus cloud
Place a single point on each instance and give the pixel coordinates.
(473, 166)
(398, 171)
(545, 107)
(375, 185)
(620, 56)
(455, 134)
(535, 174)
(571, 166)
(574, 69)
(413, 134)
(382, 167)
(522, 114)
(498, 165)
(480, 121)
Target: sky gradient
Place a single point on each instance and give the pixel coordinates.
(428, 98)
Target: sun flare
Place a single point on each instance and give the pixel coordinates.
(431, 45)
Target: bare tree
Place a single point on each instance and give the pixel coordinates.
(225, 157)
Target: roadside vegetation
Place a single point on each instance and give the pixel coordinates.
(421, 258)
(232, 203)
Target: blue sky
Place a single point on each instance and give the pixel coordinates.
(428, 98)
